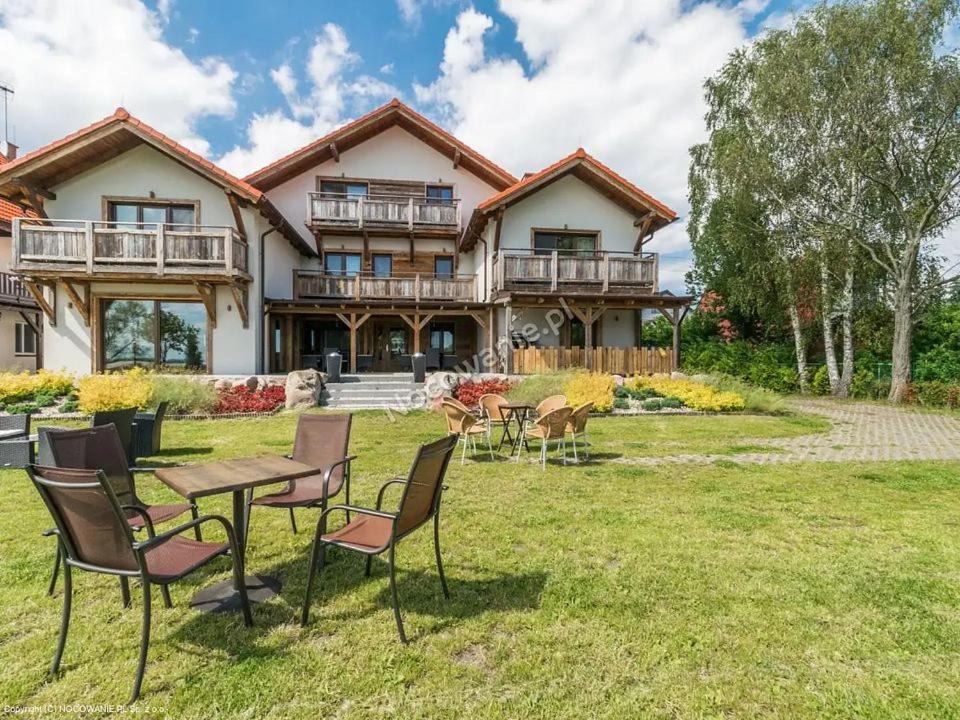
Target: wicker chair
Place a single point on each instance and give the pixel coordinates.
(577, 428)
(16, 449)
(549, 426)
(465, 425)
(550, 403)
(373, 532)
(94, 534)
(322, 441)
(493, 414)
(99, 448)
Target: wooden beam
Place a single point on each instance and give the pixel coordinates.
(478, 318)
(334, 152)
(208, 295)
(408, 321)
(82, 304)
(353, 343)
(237, 217)
(644, 223)
(33, 189)
(241, 297)
(411, 247)
(50, 311)
(496, 232)
(456, 158)
(34, 325)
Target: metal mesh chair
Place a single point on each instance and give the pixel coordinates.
(99, 448)
(124, 421)
(373, 532)
(322, 441)
(16, 449)
(94, 534)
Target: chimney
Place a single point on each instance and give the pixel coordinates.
(11, 151)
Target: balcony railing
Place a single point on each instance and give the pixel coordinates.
(366, 286)
(565, 270)
(388, 211)
(90, 247)
(12, 290)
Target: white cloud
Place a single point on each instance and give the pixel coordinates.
(409, 11)
(165, 7)
(72, 63)
(386, 69)
(322, 99)
(623, 79)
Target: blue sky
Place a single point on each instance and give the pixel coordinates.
(523, 81)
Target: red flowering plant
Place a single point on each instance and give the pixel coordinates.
(241, 399)
(469, 392)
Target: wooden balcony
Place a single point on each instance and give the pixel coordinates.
(365, 286)
(333, 211)
(13, 292)
(575, 271)
(84, 248)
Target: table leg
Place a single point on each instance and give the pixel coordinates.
(223, 597)
(505, 434)
(521, 421)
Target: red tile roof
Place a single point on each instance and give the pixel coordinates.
(394, 106)
(122, 116)
(577, 157)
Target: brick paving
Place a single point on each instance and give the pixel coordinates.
(861, 431)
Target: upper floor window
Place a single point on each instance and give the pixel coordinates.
(139, 214)
(338, 263)
(439, 193)
(25, 341)
(569, 242)
(443, 267)
(340, 188)
(382, 265)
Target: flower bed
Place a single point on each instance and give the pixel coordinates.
(586, 387)
(241, 399)
(26, 392)
(657, 392)
(469, 392)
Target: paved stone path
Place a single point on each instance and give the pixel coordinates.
(861, 431)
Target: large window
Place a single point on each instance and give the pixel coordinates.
(347, 264)
(382, 266)
(546, 241)
(161, 334)
(443, 267)
(441, 337)
(139, 214)
(25, 342)
(337, 188)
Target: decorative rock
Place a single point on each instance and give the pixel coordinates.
(252, 383)
(618, 380)
(222, 384)
(303, 389)
(438, 384)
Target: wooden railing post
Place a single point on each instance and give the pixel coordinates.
(410, 214)
(296, 284)
(356, 286)
(89, 249)
(416, 287)
(360, 211)
(16, 241)
(606, 272)
(656, 273)
(161, 247)
(554, 269)
(228, 249)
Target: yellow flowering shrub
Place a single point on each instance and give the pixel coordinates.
(590, 387)
(133, 388)
(25, 385)
(694, 395)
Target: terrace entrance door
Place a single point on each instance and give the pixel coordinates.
(391, 341)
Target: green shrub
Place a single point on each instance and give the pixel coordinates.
(620, 403)
(621, 392)
(25, 408)
(934, 392)
(671, 402)
(755, 399)
(863, 385)
(940, 364)
(184, 395)
(820, 385)
(534, 388)
(68, 407)
(652, 404)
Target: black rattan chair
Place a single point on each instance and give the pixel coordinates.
(16, 449)
(374, 532)
(94, 534)
(146, 431)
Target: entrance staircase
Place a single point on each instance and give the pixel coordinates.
(368, 391)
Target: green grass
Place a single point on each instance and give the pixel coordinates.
(606, 590)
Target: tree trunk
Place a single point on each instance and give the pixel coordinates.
(902, 337)
(846, 377)
(799, 346)
(826, 316)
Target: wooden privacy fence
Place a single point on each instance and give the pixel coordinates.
(620, 361)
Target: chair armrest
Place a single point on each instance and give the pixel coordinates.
(383, 489)
(50, 532)
(355, 509)
(165, 536)
(329, 471)
(148, 523)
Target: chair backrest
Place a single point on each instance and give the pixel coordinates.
(96, 448)
(421, 496)
(490, 404)
(453, 401)
(578, 420)
(123, 420)
(87, 514)
(320, 441)
(16, 422)
(551, 403)
(459, 419)
(158, 426)
(554, 423)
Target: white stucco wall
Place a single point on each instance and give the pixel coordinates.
(393, 154)
(5, 253)
(9, 360)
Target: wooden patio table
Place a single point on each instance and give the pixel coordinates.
(518, 412)
(235, 477)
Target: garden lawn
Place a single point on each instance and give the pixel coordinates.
(605, 590)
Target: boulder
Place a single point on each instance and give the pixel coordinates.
(619, 380)
(437, 385)
(222, 384)
(303, 389)
(252, 383)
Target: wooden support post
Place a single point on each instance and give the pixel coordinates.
(588, 338)
(82, 304)
(508, 345)
(491, 338)
(353, 343)
(49, 310)
(240, 295)
(676, 340)
(416, 333)
(88, 241)
(208, 296)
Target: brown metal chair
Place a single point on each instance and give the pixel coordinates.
(577, 428)
(94, 534)
(465, 425)
(101, 448)
(549, 426)
(375, 531)
(321, 441)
